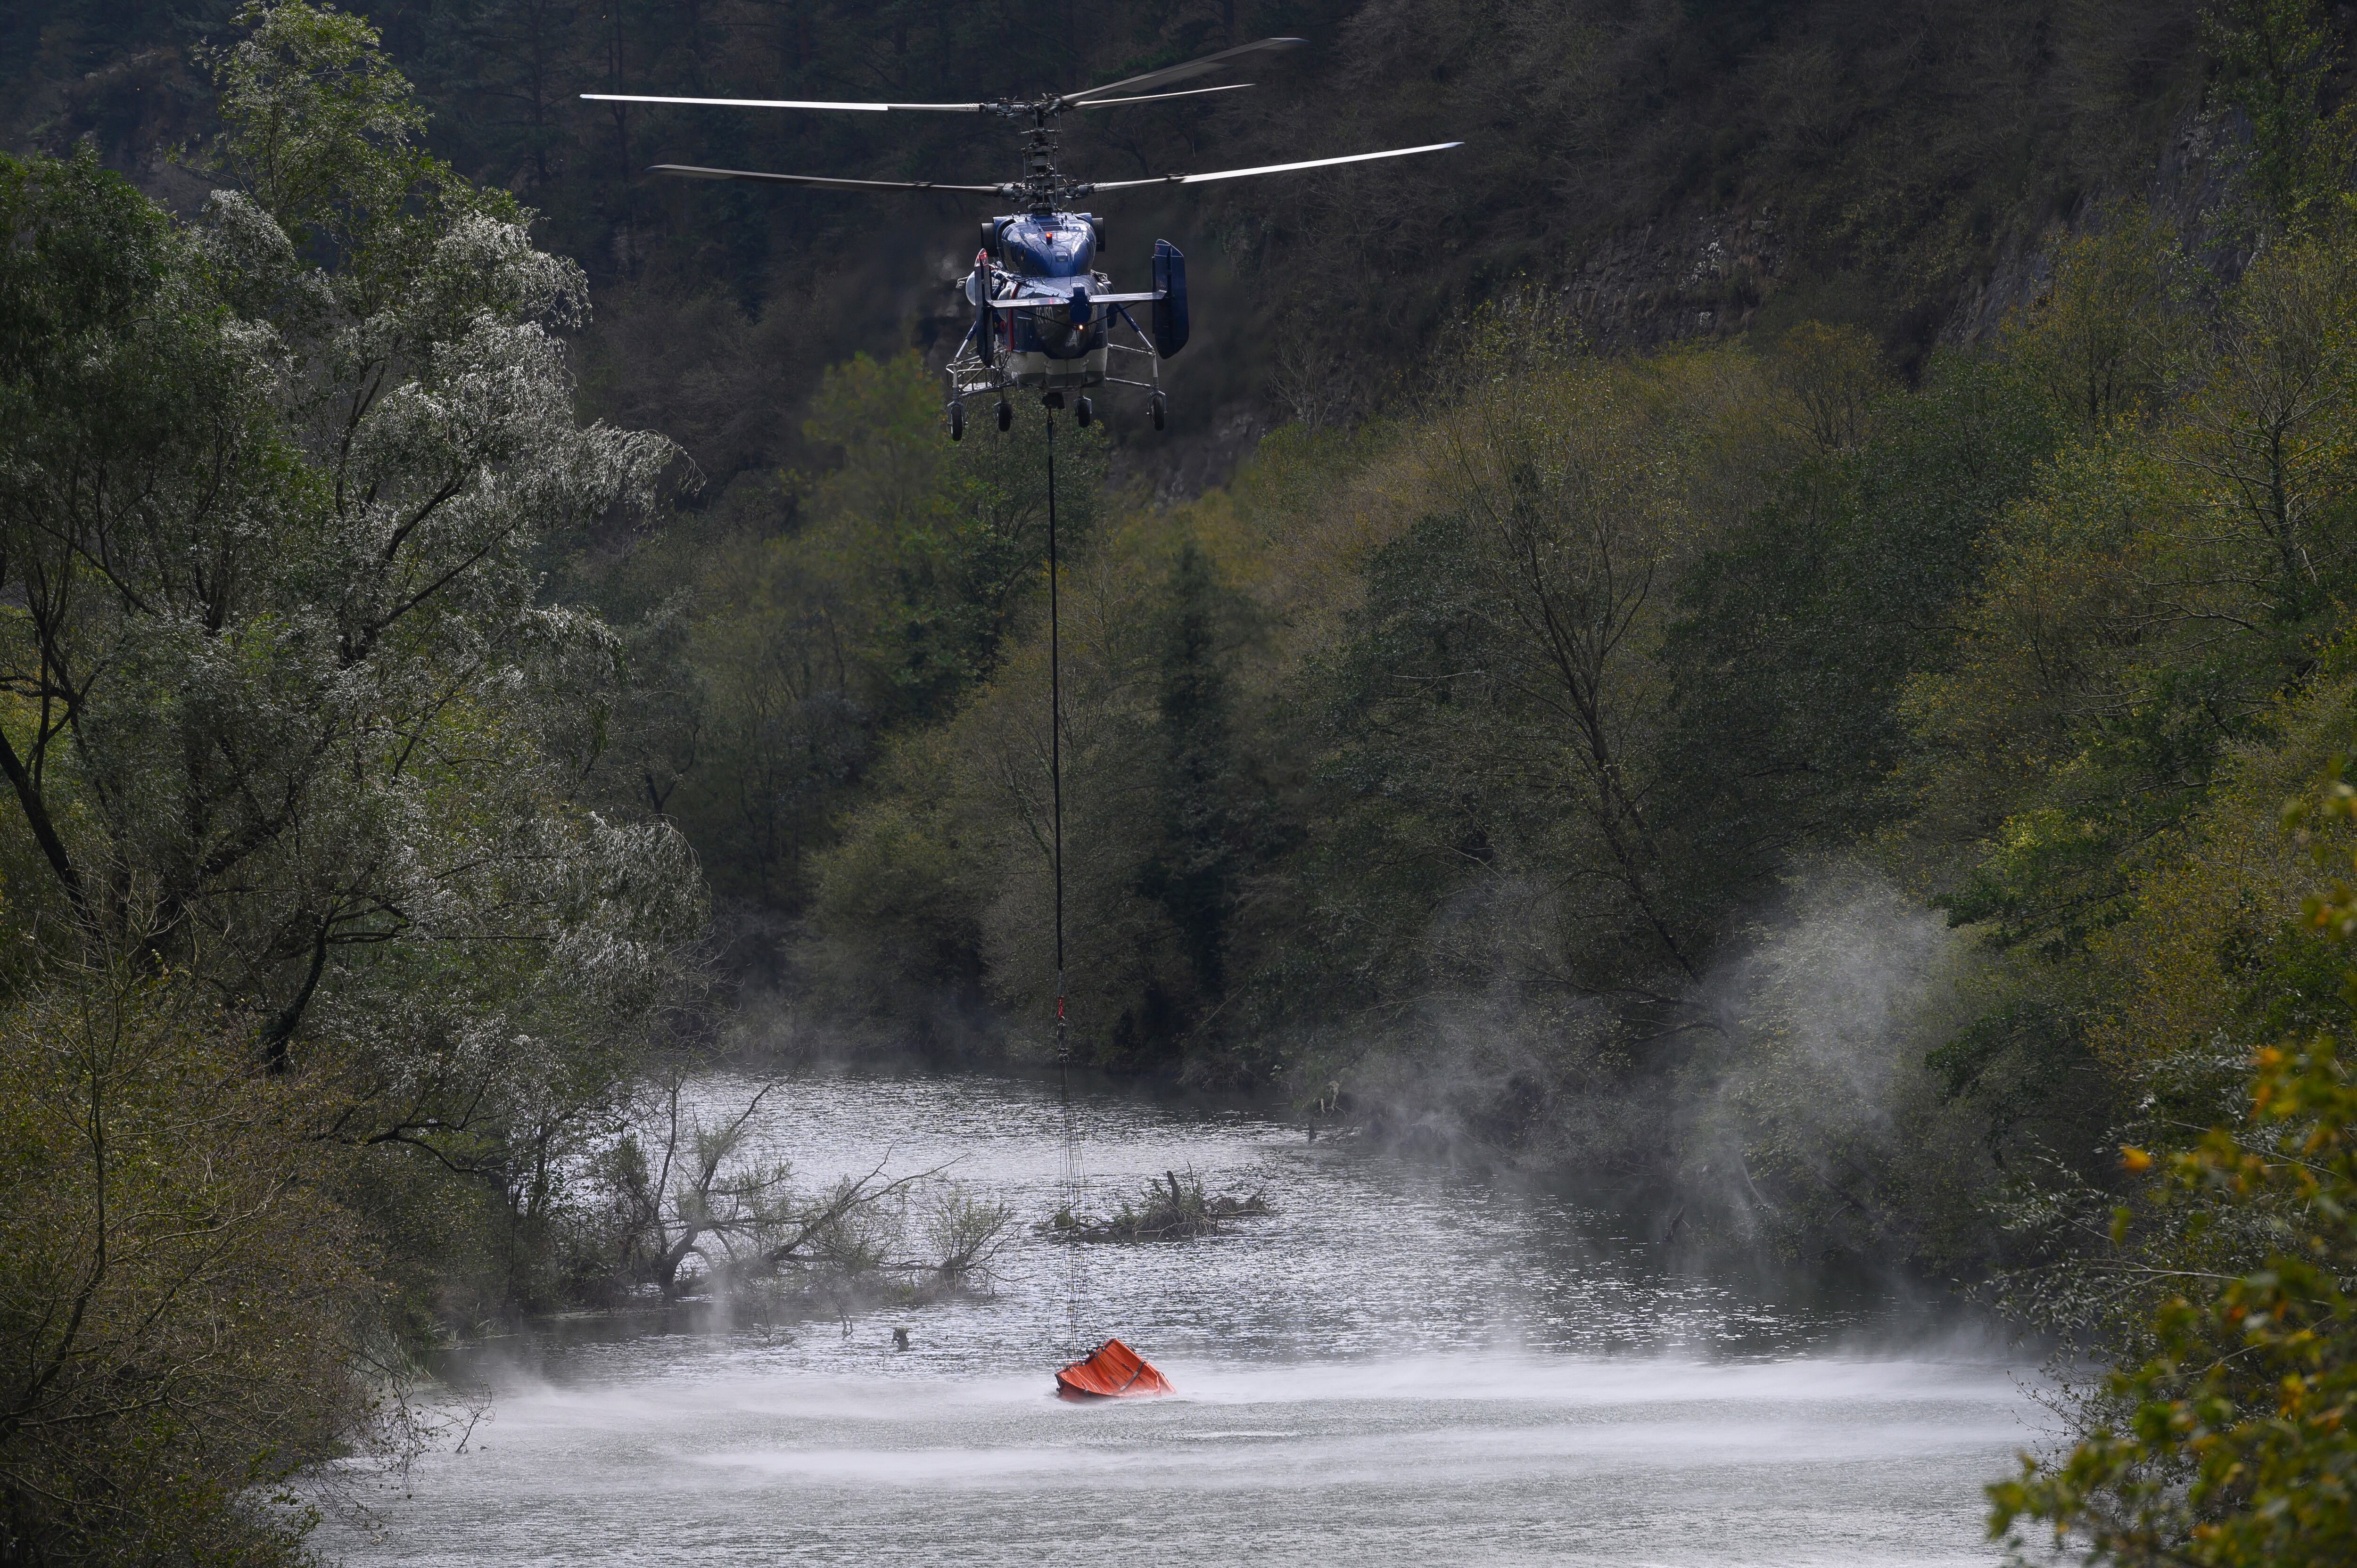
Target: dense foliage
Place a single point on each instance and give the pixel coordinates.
(323, 949)
(2236, 1446)
(2231, 1444)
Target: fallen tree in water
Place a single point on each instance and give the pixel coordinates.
(694, 1207)
(1168, 1210)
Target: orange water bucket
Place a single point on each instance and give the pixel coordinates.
(1114, 1371)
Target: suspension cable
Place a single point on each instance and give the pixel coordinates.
(1074, 1281)
(1056, 736)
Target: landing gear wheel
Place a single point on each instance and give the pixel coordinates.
(1162, 407)
(1086, 412)
(957, 422)
(1005, 415)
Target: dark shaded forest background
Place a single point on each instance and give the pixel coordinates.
(1746, 634)
(1678, 168)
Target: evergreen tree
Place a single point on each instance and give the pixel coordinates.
(1192, 870)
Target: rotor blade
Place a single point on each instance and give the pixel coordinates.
(1152, 97)
(691, 173)
(1190, 67)
(779, 103)
(1271, 168)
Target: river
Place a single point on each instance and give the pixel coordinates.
(1402, 1364)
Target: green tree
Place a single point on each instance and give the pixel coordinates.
(284, 694)
(2235, 1444)
(1798, 631)
(328, 961)
(2276, 62)
(187, 1314)
(2109, 333)
(883, 605)
(1501, 705)
(1192, 871)
(2145, 607)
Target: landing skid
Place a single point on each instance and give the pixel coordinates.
(973, 376)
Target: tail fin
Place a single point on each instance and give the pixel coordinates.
(1170, 300)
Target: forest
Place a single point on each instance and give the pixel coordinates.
(1779, 636)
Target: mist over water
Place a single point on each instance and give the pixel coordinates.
(1403, 1364)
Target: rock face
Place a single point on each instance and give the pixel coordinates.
(1699, 276)
(2190, 185)
(1706, 274)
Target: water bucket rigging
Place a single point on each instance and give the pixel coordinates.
(1113, 1370)
(1071, 1175)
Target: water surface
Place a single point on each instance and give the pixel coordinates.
(1403, 1364)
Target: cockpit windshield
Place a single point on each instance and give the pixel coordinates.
(1061, 245)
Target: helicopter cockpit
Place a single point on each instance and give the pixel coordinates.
(1046, 245)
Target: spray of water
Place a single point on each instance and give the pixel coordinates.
(1812, 1113)
(1403, 1364)
(1781, 1099)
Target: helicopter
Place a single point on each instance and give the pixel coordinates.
(1044, 318)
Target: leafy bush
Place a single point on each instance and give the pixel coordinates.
(2236, 1442)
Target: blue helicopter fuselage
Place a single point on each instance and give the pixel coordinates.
(1042, 313)
(1041, 258)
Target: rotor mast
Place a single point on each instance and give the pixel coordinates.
(1041, 183)
(1042, 186)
